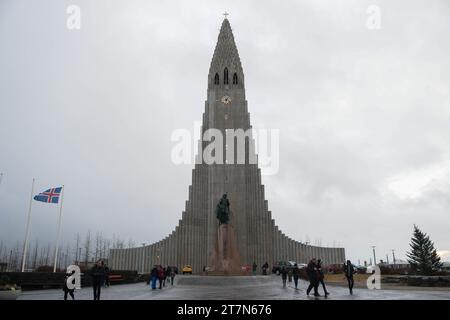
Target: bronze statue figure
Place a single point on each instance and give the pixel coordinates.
(223, 210)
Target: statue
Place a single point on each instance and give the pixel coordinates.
(223, 210)
(225, 258)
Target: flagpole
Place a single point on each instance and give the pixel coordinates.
(25, 246)
(59, 229)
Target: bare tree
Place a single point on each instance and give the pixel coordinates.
(9, 266)
(47, 255)
(77, 258)
(42, 256)
(318, 242)
(66, 258)
(98, 245)
(16, 256)
(106, 247)
(4, 256)
(87, 248)
(131, 243)
(118, 243)
(35, 255)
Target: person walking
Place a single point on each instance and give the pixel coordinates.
(66, 288)
(254, 267)
(312, 276)
(321, 277)
(154, 276)
(265, 267)
(284, 273)
(290, 275)
(165, 276)
(161, 276)
(107, 271)
(349, 271)
(172, 275)
(98, 276)
(168, 270)
(295, 274)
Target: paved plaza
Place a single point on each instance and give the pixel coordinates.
(228, 288)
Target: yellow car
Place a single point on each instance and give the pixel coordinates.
(187, 269)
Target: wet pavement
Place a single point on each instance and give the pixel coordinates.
(228, 288)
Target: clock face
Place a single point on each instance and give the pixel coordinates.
(226, 99)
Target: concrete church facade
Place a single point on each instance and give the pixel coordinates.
(258, 238)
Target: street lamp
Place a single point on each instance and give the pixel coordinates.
(393, 256)
(374, 257)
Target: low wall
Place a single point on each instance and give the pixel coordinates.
(51, 280)
(418, 281)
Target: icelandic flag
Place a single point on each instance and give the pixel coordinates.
(49, 196)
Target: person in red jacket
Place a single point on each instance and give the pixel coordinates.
(161, 276)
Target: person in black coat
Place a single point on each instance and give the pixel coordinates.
(98, 276)
(66, 288)
(321, 276)
(295, 274)
(311, 270)
(349, 271)
(165, 276)
(264, 268)
(284, 273)
(107, 272)
(172, 275)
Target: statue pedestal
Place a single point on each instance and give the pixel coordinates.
(225, 259)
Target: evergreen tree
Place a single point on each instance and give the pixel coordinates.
(423, 257)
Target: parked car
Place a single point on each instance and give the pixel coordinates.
(369, 270)
(289, 265)
(246, 268)
(335, 268)
(187, 269)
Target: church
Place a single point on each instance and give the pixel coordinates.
(258, 238)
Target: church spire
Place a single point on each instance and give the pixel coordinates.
(226, 68)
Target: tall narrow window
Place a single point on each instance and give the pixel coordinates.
(216, 79)
(225, 76)
(235, 80)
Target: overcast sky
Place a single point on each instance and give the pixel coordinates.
(364, 115)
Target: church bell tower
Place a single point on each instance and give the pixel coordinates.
(258, 238)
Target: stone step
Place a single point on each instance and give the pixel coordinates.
(221, 280)
(225, 273)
